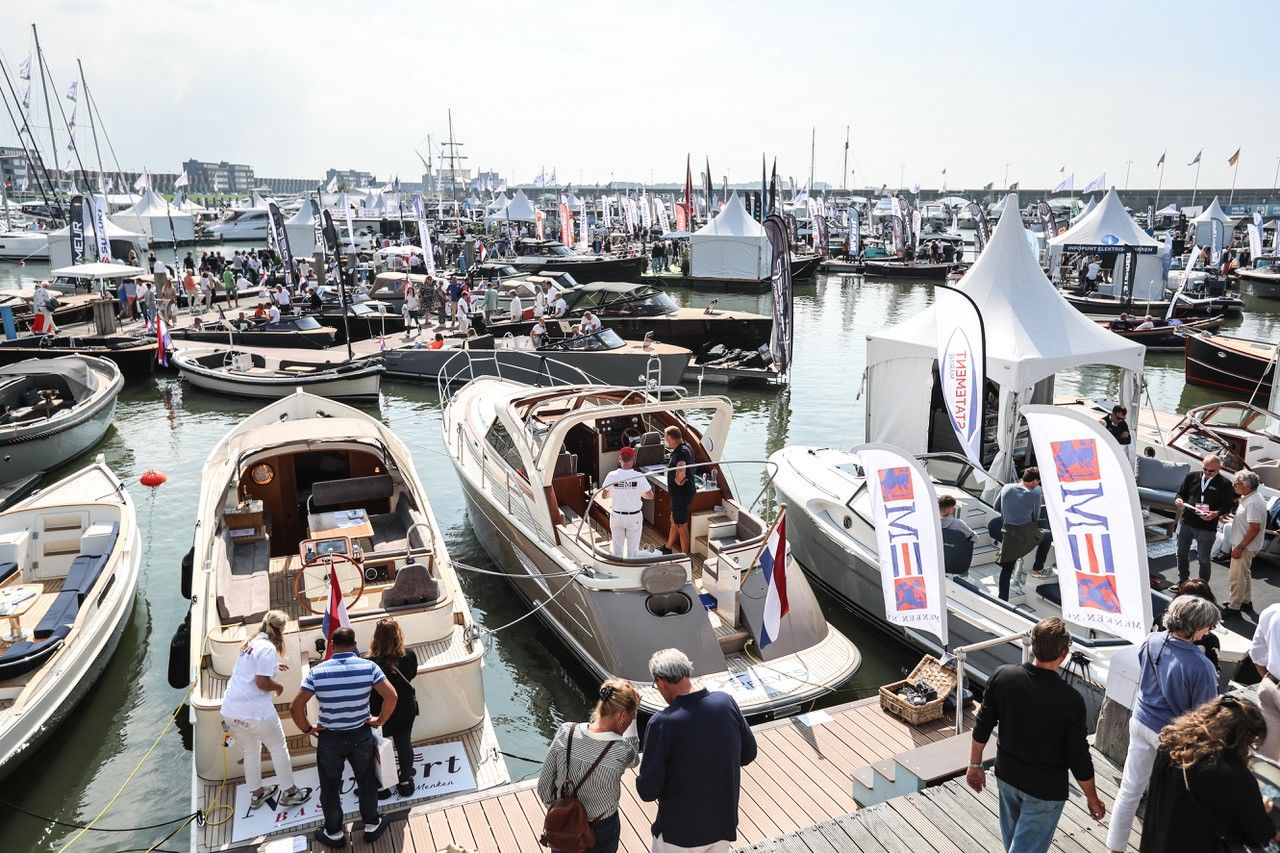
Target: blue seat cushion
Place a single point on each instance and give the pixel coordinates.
(1052, 592)
(62, 613)
(84, 571)
(21, 658)
(7, 569)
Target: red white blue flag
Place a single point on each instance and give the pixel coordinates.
(335, 614)
(773, 562)
(164, 342)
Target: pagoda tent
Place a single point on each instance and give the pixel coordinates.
(731, 246)
(519, 209)
(1106, 231)
(1032, 334)
(120, 240)
(1204, 225)
(152, 216)
(301, 229)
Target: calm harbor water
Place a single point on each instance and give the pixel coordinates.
(531, 686)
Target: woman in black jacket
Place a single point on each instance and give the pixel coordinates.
(400, 665)
(1202, 793)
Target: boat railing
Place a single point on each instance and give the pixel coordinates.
(1023, 639)
(461, 367)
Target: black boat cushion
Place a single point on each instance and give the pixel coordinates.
(1053, 593)
(61, 614)
(107, 546)
(21, 658)
(84, 572)
(7, 569)
(353, 490)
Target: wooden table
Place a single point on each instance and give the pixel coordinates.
(14, 613)
(351, 523)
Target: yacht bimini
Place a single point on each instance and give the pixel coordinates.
(301, 489)
(529, 460)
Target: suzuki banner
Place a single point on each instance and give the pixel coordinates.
(904, 510)
(1092, 501)
(100, 228)
(962, 346)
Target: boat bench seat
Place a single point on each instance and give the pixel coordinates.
(60, 616)
(1053, 592)
(391, 529)
(351, 492)
(84, 573)
(1159, 481)
(7, 569)
(244, 587)
(21, 658)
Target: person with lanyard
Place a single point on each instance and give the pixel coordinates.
(680, 488)
(1020, 532)
(344, 735)
(248, 708)
(1116, 424)
(627, 490)
(591, 759)
(400, 665)
(1202, 498)
(1177, 677)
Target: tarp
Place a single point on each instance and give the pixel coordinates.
(151, 216)
(1032, 333)
(733, 245)
(1109, 224)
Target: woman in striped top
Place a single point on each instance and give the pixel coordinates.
(612, 727)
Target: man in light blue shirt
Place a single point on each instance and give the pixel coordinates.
(342, 685)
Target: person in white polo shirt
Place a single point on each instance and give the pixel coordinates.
(342, 685)
(627, 490)
(1265, 654)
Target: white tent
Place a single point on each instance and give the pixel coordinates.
(1088, 208)
(519, 209)
(121, 242)
(186, 205)
(151, 216)
(301, 230)
(1109, 225)
(1204, 224)
(733, 246)
(573, 201)
(1032, 334)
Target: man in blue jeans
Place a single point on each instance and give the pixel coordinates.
(342, 685)
(1043, 734)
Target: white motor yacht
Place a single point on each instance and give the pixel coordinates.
(300, 490)
(529, 460)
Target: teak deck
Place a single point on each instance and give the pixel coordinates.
(802, 777)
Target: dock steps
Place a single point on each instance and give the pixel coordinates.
(915, 769)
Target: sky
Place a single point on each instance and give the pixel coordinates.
(624, 91)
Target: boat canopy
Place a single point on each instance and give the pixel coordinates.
(1032, 333)
(732, 245)
(74, 370)
(96, 270)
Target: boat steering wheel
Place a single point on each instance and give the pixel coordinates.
(315, 575)
(629, 436)
(46, 341)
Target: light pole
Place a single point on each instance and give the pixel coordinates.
(1128, 164)
(902, 171)
(1006, 175)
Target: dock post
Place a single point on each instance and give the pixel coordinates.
(10, 328)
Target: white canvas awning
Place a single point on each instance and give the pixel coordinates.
(732, 246)
(1032, 333)
(1109, 225)
(152, 216)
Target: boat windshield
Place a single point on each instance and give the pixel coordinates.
(556, 250)
(605, 339)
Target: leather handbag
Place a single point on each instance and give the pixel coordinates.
(566, 826)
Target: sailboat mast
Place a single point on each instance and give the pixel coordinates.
(813, 146)
(92, 127)
(34, 163)
(453, 168)
(53, 151)
(430, 176)
(844, 172)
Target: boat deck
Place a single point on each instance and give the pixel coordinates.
(816, 761)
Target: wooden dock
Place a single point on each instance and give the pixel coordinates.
(801, 778)
(951, 818)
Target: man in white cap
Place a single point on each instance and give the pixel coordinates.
(627, 490)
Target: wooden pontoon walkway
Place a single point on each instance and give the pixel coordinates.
(801, 778)
(951, 818)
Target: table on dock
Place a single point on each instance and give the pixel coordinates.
(951, 818)
(801, 777)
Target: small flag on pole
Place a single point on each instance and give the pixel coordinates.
(335, 614)
(163, 341)
(1234, 158)
(182, 180)
(73, 91)
(1197, 158)
(24, 68)
(1160, 162)
(773, 562)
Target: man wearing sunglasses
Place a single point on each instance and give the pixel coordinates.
(1204, 497)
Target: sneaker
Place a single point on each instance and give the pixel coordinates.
(384, 793)
(335, 841)
(372, 832)
(296, 796)
(1041, 573)
(267, 792)
(1247, 607)
(405, 789)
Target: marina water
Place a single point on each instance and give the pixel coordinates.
(532, 684)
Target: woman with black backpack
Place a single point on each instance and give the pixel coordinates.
(581, 777)
(400, 665)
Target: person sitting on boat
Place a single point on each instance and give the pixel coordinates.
(1148, 323)
(260, 313)
(273, 313)
(947, 510)
(1123, 324)
(627, 490)
(43, 303)
(590, 323)
(1020, 532)
(538, 334)
(197, 325)
(1116, 424)
(242, 322)
(314, 302)
(601, 751)
(248, 707)
(438, 343)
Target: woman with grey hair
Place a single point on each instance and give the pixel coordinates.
(1176, 678)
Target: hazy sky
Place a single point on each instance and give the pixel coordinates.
(612, 90)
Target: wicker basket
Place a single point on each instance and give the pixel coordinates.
(930, 672)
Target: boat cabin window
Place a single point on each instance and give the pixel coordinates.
(499, 440)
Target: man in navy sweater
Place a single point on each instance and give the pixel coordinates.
(694, 752)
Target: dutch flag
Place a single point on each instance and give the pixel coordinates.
(164, 343)
(335, 614)
(773, 562)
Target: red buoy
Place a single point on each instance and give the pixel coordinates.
(152, 479)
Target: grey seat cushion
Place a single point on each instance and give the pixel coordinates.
(1159, 481)
(333, 494)
(413, 585)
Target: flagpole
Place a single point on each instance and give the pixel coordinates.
(1159, 183)
(755, 560)
(1235, 170)
(1128, 164)
(1196, 185)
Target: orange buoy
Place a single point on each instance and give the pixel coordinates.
(152, 479)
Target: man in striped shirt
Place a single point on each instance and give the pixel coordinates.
(342, 685)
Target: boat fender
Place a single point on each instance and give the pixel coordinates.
(180, 654)
(152, 479)
(188, 566)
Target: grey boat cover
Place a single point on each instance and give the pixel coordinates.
(80, 378)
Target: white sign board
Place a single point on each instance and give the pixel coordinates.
(438, 769)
